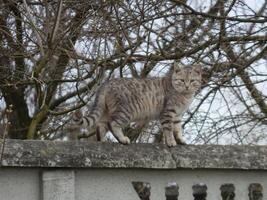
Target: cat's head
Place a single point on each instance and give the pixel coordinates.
(186, 79)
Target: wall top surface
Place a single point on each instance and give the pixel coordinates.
(77, 154)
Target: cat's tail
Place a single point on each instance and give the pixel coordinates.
(91, 119)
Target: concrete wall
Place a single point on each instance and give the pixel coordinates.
(20, 184)
(33, 170)
(104, 184)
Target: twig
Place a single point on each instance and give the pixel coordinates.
(34, 27)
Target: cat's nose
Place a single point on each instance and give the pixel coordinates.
(186, 87)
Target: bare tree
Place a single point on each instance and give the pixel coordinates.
(54, 55)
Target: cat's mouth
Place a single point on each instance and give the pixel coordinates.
(186, 91)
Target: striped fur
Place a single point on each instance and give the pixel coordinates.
(121, 101)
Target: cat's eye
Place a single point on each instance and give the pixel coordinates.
(195, 81)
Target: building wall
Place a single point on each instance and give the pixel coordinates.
(104, 184)
(58, 170)
(20, 184)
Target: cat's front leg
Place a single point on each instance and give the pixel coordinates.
(178, 131)
(167, 128)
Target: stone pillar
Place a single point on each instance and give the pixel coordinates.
(142, 189)
(228, 191)
(58, 185)
(172, 191)
(255, 191)
(200, 191)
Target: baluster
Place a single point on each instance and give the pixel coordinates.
(255, 191)
(172, 191)
(142, 189)
(228, 191)
(200, 191)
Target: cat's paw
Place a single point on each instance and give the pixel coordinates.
(180, 141)
(171, 142)
(125, 140)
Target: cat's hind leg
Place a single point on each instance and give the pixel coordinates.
(101, 130)
(116, 130)
(118, 120)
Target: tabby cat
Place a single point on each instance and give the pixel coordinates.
(119, 102)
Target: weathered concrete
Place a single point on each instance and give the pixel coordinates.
(105, 184)
(110, 155)
(97, 171)
(20, 184)
(58, 185)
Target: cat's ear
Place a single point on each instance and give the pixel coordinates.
(197, 69)
(176, 66)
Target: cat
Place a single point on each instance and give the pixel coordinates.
(119, 102)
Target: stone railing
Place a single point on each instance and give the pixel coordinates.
(57, 170)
